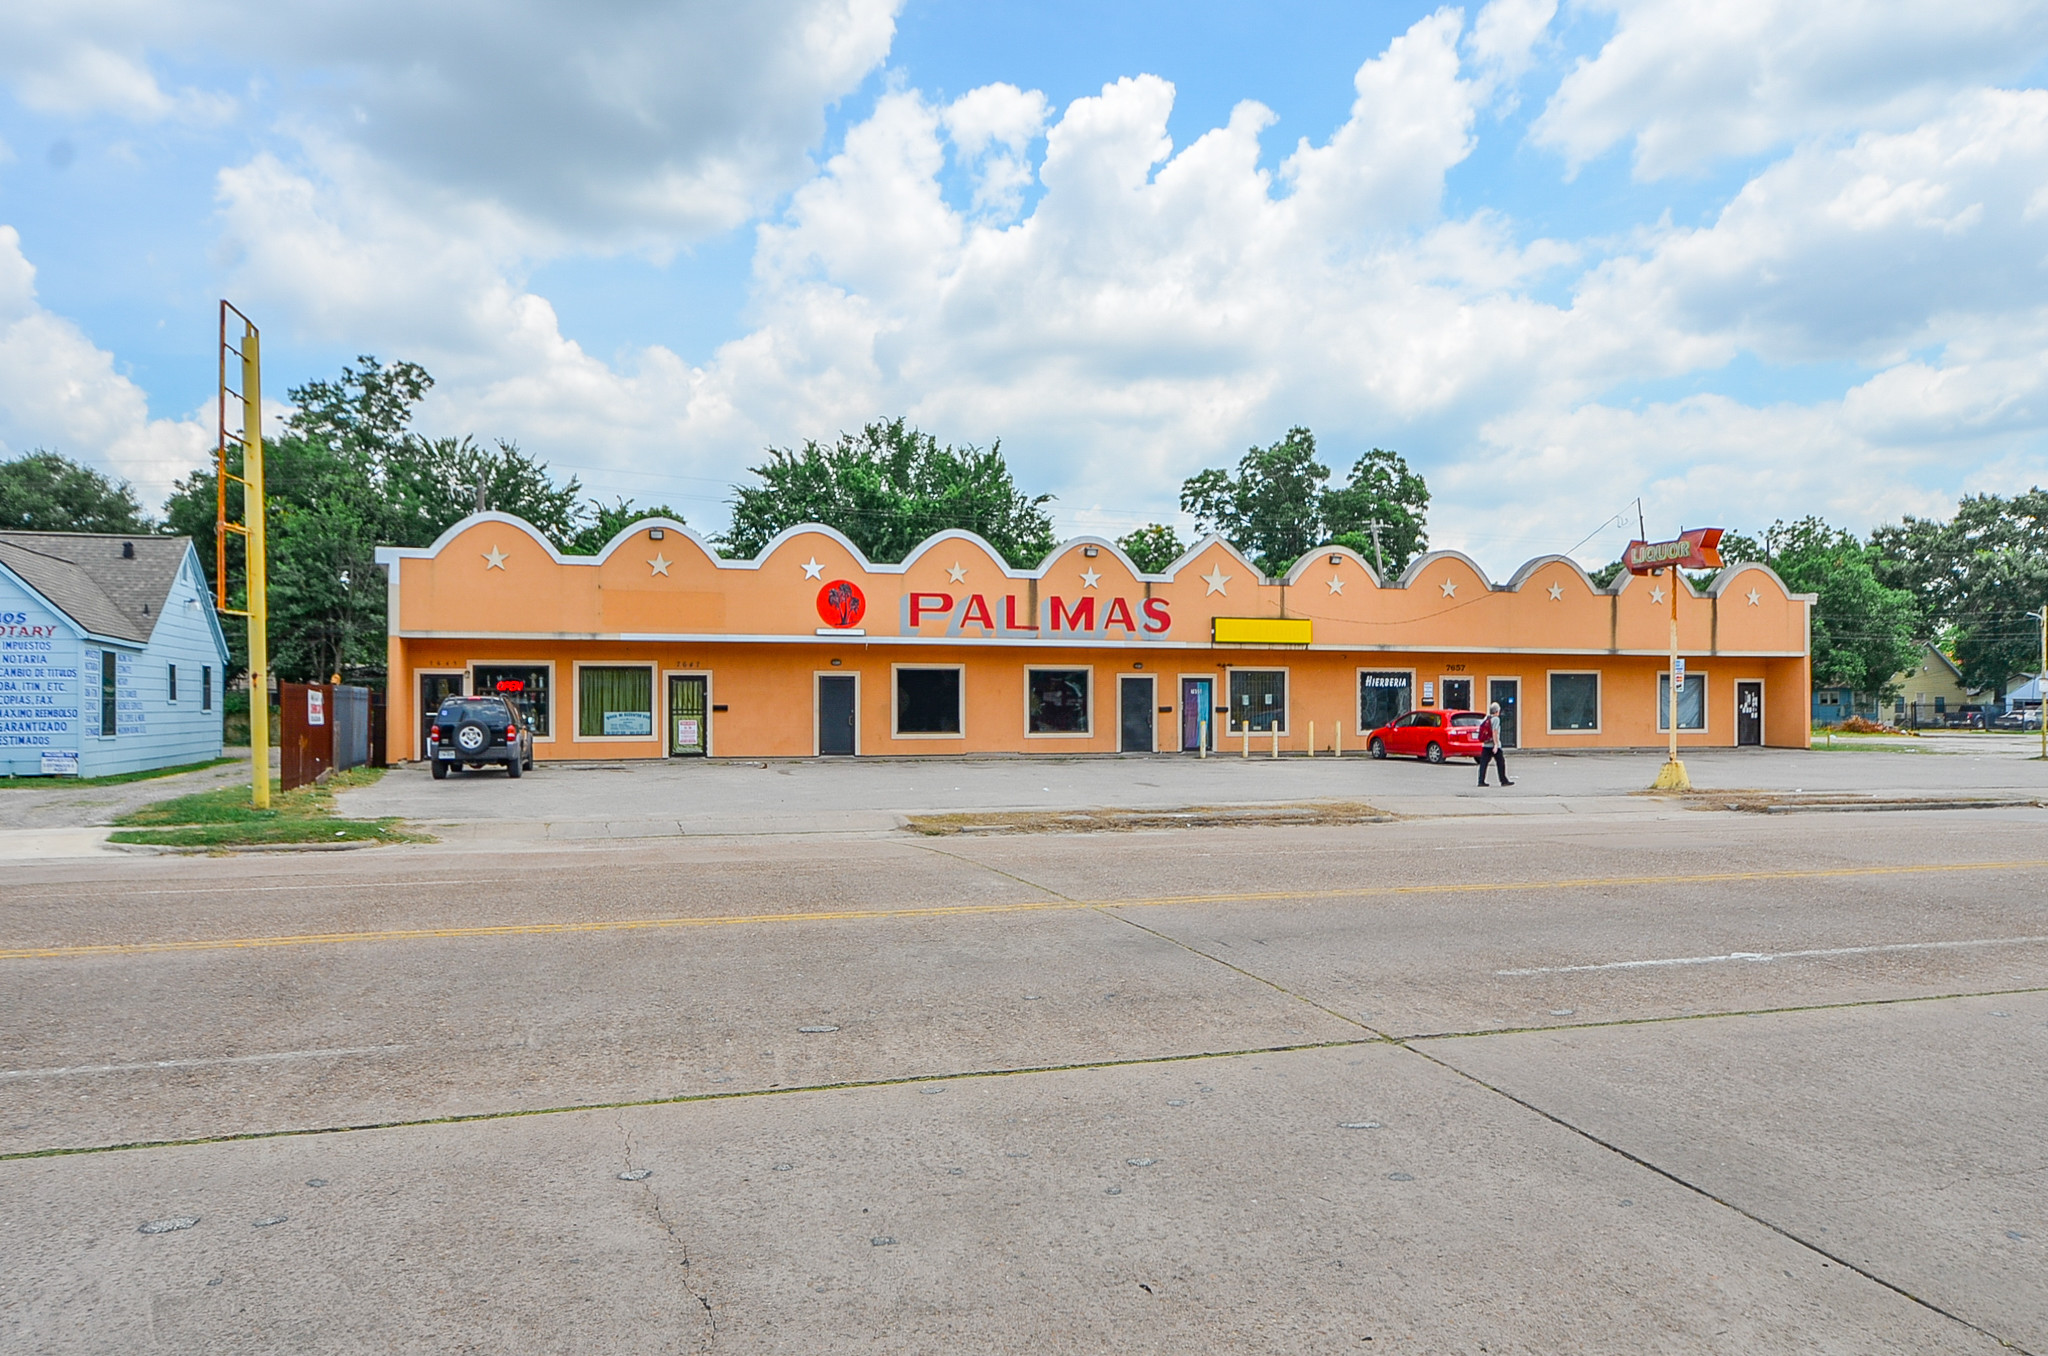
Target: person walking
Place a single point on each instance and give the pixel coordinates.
(1490, 746)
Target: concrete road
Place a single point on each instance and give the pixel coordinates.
(1653, 1080)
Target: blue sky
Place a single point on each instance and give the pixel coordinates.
(1742, 261)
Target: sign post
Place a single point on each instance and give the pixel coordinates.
(1699, 549)
(244, 451)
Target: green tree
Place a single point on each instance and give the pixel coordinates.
(1381, 490)
(1975, 578)
(1275, 509)
(1864, 632)
(1271, 510)
(888, 488)
(1153, 547)
(602, 522)
(41, 491)
(348, 474)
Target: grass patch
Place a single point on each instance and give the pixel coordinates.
(1124, 821)
(146, 775)
(225, 818)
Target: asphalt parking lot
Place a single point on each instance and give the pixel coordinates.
(1600, 1073)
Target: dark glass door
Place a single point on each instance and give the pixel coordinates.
(1135, 703)
(835, 714)
(1195, 701)
(435, 688)
(1749, 713)
(689, 716)
(1508, 692)
(1457, 694)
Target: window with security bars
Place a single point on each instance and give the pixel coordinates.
(614, 702)
(524, 685)
(108, 693)
(1258, 700)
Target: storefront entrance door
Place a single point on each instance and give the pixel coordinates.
(1749, 713)
(689, 715)
(1508, 692)
(835, 714)
(1134, 703)
(1457, 694)
(435, 688)
(1197, 695)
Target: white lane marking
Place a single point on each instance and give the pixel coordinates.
(154, 1064)
(1765, 957)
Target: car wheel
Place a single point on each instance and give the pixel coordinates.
(1434, 753)
(440, 771)
(1377, 749)
(512, 768)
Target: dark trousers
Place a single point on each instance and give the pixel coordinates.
(1491, 752)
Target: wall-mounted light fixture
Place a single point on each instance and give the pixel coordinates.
(1336, 558)
(656, 533)
(1139, 665)
(835, 663)
(1091, 551)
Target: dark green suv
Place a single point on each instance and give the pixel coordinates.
(472, 731)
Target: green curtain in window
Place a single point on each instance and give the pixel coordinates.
(620, 692)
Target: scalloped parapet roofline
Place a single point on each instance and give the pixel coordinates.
(387, 555)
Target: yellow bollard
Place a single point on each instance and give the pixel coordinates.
(1311, 739)
(1203, 751)
(1247, 732)
(1338, 751)
(1276, 739)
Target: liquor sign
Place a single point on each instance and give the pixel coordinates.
(1699, 549)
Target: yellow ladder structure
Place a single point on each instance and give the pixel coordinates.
(238, 458)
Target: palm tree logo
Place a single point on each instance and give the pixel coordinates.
(842, 604)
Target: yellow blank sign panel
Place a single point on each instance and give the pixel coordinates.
(1261, 630)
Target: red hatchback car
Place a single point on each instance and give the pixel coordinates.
(1429, 735)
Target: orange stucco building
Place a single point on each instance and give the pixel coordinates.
(656, 647)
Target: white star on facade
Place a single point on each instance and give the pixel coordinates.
(1336, 583)
(1557, 593)
(1753, 599)
(494, 559)
(1450, 589)
(1657, 594)
(660, 563)
(1216, 579)
(813, 570)
(956, 572)
(1089, 579)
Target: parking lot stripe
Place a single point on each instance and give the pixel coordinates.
(1765, 957)
(84, 950)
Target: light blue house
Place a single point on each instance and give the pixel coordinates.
(111, 658)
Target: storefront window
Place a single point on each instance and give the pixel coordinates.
(1574, 701)
(524, 685)
(614, 703)
(927, 701)
(1382, 697)
(1258, 700)
(1056, 701)
(1692, 702)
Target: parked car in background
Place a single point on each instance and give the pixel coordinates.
(1429, 735)
(2019, 720)
(472, 731)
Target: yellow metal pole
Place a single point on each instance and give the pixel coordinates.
(1337, 749)
(1276, 739)
(259, 608)
(1311, 739)
(1671, 777)
(1202, 750)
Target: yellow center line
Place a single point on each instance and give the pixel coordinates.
(970, 910)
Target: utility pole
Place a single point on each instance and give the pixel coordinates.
(1379, 561)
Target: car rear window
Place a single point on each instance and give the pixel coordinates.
(1467, 718)
(474, 708)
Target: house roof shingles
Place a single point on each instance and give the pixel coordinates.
(85, 574)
